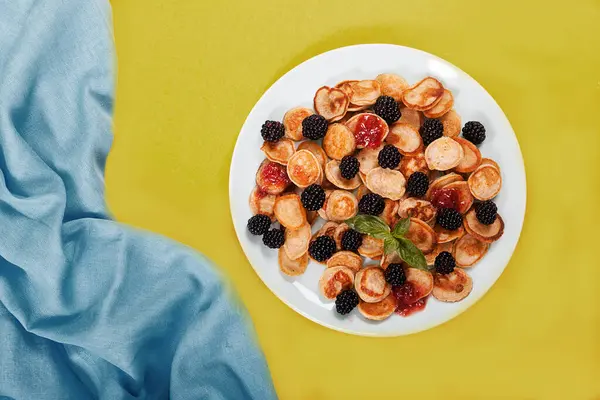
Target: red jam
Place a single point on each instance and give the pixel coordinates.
(369, 131)
(446, 198)
(274, 174)
(406, 300)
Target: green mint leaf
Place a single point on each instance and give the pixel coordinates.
(411, 254)
(369, 225)
(401, 227)
(390, 245)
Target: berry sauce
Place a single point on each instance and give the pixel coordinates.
(369, 131)
(274, 174)
(406, 299)
(447, 198)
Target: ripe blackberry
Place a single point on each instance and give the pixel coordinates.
(417, 184)
(349, 167)
(474, 132)
(394, 274)
(314, 127)
(389, 157)
(486, 212)
(431, 130)
(274, 238)
(313, 197)
(387, 108)
(322, 248)
(371, 203)
(272, 131)
(351, 240)
(259, 224)
(346, 301)
(444, 263)
(449, 219)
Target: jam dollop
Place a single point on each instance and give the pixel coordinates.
(275, 174)
(446, 198)
(407, 299)
(369, 131)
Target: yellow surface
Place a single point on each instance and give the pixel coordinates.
(191, 70)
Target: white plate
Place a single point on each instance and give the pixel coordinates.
(296, 88)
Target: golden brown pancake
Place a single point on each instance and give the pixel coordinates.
(406, 138)
(261, 202)
(489, 161)
(365, 92)
(411, 164)
(371, 247)
(339, 141)
(304, 168)
(390, 212)
(471, 158)
(423, 95)
(411, 117)
(335, 280)
(388, 259)
(443, 154)
(444, 235)
(485, 233)
(346, 259)
(421, 235)
(387, 183)
(468, 250)
(452, 287)
(292, 267)
(452, 123)
(485, 182)
(331, 103)
(296, 241)
(412, 207)
(279, 152)
(362, 190)
(421, 281)
(321, 211)
(370, 284)
(378, 311)
(341, 205)
(316, 150)
(368, 159)
(289, 211)
(292, 121)
(442, 107)
(392, 85)
(272, 178)
(465, 199)
(339, 232)
(441, 182)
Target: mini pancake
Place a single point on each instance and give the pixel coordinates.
(485, 183)
(430, 258)
(272, 178)
(304, 168)
(296, 241)
(446, 236)
(335, 280)
(362, 190)
(411, 164)
(442, 107)
(388, 259)
(465, 199)
(423, 95)
(489, 161)
(452, 287)
(261, 202)
(380, 310)
(452, 123)
(421, 235)
(280, 151)
(331, 103)
(390, 212)
(346, 259)
(292, 121)
(346, 87)
(338, 141)
(316, 150)
(341, 205)
(292, 267)
(321, 211)
(387, 183)
(443, 154)
(416, 208)
(370, 130)
(371, 247)
(334, 175)
(368, 159)
(339, 232)
(406, 138)
(485, 233)
(289, 211)
(441, 182)
(411, 117)
(421, 281)
(311, 217)
(328, 229)
(365, 92)
(471, 159)
(370, 284)
(392, 85)
(468, 250)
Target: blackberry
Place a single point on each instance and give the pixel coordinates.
(351, 240)
(349, 167)
(387, 108)
(371, 203)
(346, 301)
(313, 197)
(389, 157)
(431, 130)
(272, 131)
(449, 218)
(394, 274)
(474, 132)
(314, 127)
(274, 238)
(259, 224)
(322, 248)
(444, 263)
(417, 184)
(486, 212)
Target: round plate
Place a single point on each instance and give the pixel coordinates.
(297, 88)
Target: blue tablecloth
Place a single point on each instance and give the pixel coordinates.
(90, 308)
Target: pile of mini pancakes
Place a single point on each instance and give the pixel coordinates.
(450, 162)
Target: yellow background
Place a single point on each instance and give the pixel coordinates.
(191, 70)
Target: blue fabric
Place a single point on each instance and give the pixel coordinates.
(90, 308)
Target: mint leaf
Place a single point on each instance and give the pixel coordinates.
(411, 254)
(401, 227)
(390, 245)
(369, 225)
